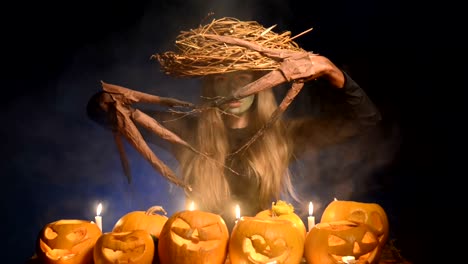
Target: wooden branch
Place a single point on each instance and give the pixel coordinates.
(268, 81)
(291, 94)
(129, 96)
(127, 128)
(123, 156)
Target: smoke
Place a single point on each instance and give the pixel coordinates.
(352, 170)
(62, 164)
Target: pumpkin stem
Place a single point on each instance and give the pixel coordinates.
(281, 208)
(153, 209)
(273, 212)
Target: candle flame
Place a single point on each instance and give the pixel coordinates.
(311, 208)
(237, 211)
(335, 199)
(192, 206)
(99, 209)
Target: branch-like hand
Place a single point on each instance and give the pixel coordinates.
(117, 103)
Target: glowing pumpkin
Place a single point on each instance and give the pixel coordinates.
(148, 220)
(193, 237)
(283, 210)
(67, 241)
(265, 240)
(370, 214)
(328, 243)
(135, 246)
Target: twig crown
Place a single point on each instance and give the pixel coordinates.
(199, 55)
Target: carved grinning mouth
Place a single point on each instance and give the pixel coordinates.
(259, 252)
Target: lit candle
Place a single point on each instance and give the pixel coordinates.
(98, 217)
(348, 259)
(237, 212)
(191, 206)
(311, 218)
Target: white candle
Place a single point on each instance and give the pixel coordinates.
(311, 218)
(98, 217)
(237, 210)
(191, 206)
(348, 259)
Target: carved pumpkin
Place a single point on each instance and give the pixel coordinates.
(370, 214)
(265, 240)
(193, 237)
(67, 242)
(328, 243)
(150, 221)
(135, 246)
(283, 210)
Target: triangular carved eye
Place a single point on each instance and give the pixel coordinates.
(335, 241)
(210, 232)
(77, 235)
(182, 231)
(181, 228)
(369, 238)
(376, 222)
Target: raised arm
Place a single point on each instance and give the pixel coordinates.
(356, 114)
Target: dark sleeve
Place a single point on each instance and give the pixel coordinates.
(363, 109)
(344, 113)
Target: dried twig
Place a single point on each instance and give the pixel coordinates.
(198, 55)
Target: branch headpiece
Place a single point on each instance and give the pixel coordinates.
(199, 55)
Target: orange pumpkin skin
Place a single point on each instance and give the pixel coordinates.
(147, 220)
(67, 241)
(371, 214)
(282, 210)
(124, 247)
(265, 240)
(193, 237)
(327, 243)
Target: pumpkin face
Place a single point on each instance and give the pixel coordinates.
(150, 221)
(124, 247)
(285, 211)
(193, 237)
(67, 242)
(370, 214)
(328, 243)
(263, 240)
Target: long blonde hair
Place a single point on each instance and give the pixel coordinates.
(268, 157)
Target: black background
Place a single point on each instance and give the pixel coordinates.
(57, 164)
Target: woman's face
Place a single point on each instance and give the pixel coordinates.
(225, 84)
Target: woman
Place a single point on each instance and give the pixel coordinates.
(254, 174)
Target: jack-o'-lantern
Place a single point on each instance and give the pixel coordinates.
(328, 243)
(67, 241)
(265, 240)
(371, 214)
(135, 246)
(283, 210)
(150, 220)
(193, 237)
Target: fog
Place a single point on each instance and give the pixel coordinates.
(60, 164)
